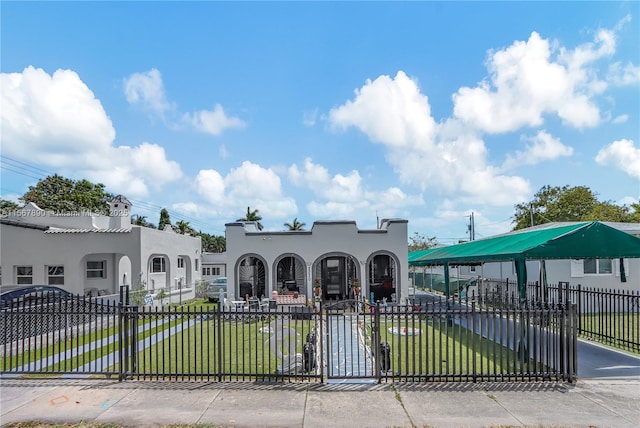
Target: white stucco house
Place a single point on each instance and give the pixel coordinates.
(87, 253)
(592, 273)
(333, 254)
(214, 265)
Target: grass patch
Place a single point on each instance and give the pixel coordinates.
(442, 348)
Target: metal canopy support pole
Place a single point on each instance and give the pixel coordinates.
(521, 271)
(446, 279)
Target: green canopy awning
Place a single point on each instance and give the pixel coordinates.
(413, 255)
(553, 241)
(564, 241)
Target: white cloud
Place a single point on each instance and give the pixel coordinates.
(46, 114)
(210, 186)
(391, 111)
(309, 118)
(543, 147)
(344, 196)
(626, 75)
(212, 122)
(448, 157)
(248, 185)
(533, 78)
(628, 200)
(623, 118)
(56, 121)
(223, 152)
(147, 90)
(621, 154)
(189, 208)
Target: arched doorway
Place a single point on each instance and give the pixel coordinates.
(383, 274)
(251, 276)
(336, 273)
(290, 273)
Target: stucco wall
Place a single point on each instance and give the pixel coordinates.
(323, 238)
(22, 246)
(560, 270)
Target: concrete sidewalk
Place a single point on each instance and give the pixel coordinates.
(588, 403)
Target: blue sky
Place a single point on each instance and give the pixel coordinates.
(427, 111)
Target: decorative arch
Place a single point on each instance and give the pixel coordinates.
(336, 272)
(383, 275)
(158, 272)
(290, 272)
(251, 275)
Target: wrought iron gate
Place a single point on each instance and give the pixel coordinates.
(351, 342)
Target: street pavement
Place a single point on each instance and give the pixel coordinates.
(588, 403)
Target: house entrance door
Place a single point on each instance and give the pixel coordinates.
(333, 278)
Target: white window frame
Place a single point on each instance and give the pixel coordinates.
(599, 267)
(97, 272)
(197, 266)
(162, 265)
(55, 272)
(180, 263)
(25, 277)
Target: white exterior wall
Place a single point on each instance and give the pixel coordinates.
(126, 251)
(171, 246)
(326, 237)
(211, 261)
(561, 270)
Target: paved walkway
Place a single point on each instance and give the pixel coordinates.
(589, 403)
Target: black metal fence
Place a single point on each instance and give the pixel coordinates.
(436, 340)
(609, 316)
(605, 315)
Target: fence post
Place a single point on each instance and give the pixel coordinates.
(219, 330)
(579, 308)
(562, 333)
(134, 338)
(375, 332)
(573, 339)
(122, 333)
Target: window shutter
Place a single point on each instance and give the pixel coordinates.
(616, 266)
(577, 268)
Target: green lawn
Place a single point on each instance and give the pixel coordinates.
(195, 341)
(620, 330)
(441, 349)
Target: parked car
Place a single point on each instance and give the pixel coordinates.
(11, 295)
(215, 287)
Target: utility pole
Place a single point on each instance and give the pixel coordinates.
(531, 212)
(472, 228)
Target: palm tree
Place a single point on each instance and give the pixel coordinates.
(295, 225)
(183, 227)
(252, 216)
(141, 220)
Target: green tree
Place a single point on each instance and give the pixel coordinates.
(56, 193)
(607, 211)
(7, 206)
(295, 225)
(141, 220)
(165, 219)
(183, 227)
(212, 244)
(252, 216)
(418, 241)
(634, 217)
(579, 203)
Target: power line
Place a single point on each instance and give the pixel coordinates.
(28, 170)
